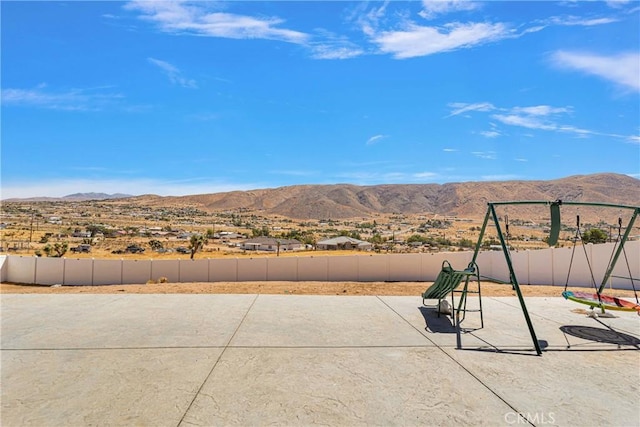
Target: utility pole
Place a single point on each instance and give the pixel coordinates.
(31, 228)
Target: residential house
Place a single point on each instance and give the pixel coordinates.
(344, 243)
(271, 244)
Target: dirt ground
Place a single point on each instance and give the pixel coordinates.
(294, 288)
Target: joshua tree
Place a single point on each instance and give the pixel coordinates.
(57, 250)
(196, 243)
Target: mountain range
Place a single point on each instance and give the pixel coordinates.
(342, 201)
(466, 199)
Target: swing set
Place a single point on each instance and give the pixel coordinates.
(594, 300)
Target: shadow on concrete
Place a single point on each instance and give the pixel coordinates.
(608, 336)
(438, 324)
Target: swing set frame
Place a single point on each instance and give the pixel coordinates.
(555, 229)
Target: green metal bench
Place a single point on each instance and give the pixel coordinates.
(447, 282)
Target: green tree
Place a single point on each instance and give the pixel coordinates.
(196, 243)
(416, 238)
(594, 235)
(376, 239)
(258, 232)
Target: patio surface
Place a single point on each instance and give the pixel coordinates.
(201, 360)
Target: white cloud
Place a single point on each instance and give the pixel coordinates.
(421, 41)
(197, 18)
(490, 134)
(541, 110)
(450, 150)
(523, 121)
(539, 117)
(622, 69)
(633, 139)
(335, 51)
(93, 99)
(425, 175)
(573, 21)
(173, 73)
(376, 138)
(431, 9)
(617, 3)
(487, 155)
(460, 107)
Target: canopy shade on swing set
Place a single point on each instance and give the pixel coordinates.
(596, 299)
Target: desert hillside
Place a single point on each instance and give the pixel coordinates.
(466, 199)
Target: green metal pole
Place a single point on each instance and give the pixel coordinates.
(620, 247)
(484, 226)
(514, 280)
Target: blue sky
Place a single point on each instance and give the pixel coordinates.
(176, 98)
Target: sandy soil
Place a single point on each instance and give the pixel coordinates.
(296, 288)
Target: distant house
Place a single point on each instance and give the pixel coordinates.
(227, 235)
(271, 244)
(344, 243)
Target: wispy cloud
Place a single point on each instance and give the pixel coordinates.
(538, 117)
(198, 18)
(173, 73)
(541, 110)
(622, 69)
(487, 155)
(92, 99)
(461, 107)
(335, 50)
(490, 133)
(416, 40)
(574, 21)
(450, 150)
(376, 138)
(431, 9)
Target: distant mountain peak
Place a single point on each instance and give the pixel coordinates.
(95, 196)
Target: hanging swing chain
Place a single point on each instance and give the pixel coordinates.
(575, 241)
(573, 251)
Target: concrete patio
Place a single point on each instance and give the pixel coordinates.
(181, 360)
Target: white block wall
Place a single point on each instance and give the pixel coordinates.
(547, 266)
(78, 271)
(194, 270)
(49, 271)
(169, 268)
(136, 271)
(282, 269)
(107, 271)
(372, 268)
(223, 270)
(252, 269)
(313, 269)
(3, 268)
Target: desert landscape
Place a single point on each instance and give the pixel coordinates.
(393, 219)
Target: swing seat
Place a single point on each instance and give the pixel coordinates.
(605, 302)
